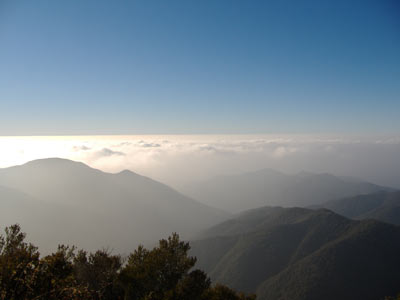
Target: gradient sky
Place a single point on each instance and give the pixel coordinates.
(140, 67)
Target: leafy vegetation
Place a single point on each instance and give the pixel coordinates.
(162, 273)
(393, 298)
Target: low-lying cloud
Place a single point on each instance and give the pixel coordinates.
(108, 152)
(178, 160)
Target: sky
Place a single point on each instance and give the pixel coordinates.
(199, 67)
(181, 91)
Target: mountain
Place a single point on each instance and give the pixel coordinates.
(299, 254)
(237, 193)
(383, 206)
(48, 223)
(94, 209)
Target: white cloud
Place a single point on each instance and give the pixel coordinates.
(108, 152)
(80, 148)
(282, 151)
(179, 159)
(150, 145)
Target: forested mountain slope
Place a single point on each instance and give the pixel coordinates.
(383, 206)
(296, 253)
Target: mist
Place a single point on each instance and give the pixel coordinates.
(179, 160)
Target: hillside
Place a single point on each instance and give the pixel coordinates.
(296, 253)
(382, 206)
(237, 193)
(94, 209)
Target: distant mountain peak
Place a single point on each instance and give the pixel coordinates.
(240, 192)
(127, 172)
(269, 171)
(122, 209)
(53, 161)
(304, 173)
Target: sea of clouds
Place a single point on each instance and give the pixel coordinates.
(178, 160)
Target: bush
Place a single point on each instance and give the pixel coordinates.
(162, 273)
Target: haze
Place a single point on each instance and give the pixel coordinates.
(179, 160)
(266, 134)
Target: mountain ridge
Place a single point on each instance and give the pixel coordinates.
(383, 206)
(245, 191)
(103, 205)
(283, 255)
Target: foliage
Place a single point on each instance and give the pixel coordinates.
(24, 275)
(99, 272)
(163, 273)
(220, 292)
(393, 298)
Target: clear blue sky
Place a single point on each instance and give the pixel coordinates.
(206, 66)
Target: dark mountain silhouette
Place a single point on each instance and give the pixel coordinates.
(297, 253)
(236, 193)
(95, 209)
(383, 206)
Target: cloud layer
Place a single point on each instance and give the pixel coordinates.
(177, 160)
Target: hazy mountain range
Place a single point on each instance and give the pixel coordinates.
(236, 193)
(280, 253)
(299, 254)
(94, 209)
(58, 200)
(383, 206)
